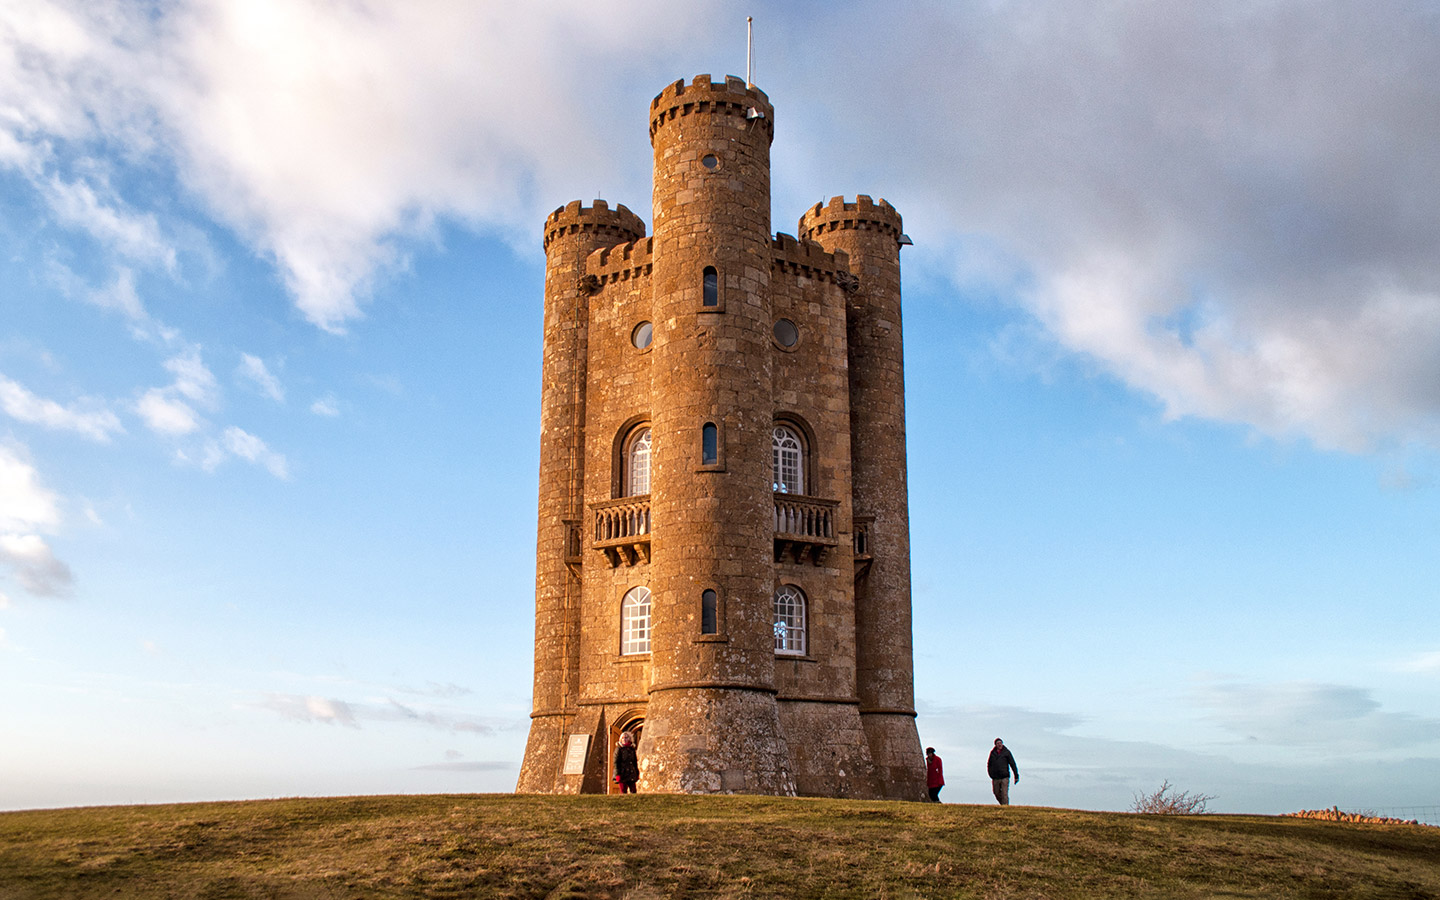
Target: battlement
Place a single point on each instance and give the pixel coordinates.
(573, 218)
(864, 213)
(621, 262)
(807, 257)
(705, 96)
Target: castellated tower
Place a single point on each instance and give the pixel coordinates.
(723, 562)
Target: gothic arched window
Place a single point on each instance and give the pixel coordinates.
(789, 620)
(635, 621)
(637, 462)
(789, 461)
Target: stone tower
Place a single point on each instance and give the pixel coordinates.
(723, 559)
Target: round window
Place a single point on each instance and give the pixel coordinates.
(640, 337)
(710, 161)
(786, 334)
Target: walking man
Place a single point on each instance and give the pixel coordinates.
(934, 774)
(999, 766)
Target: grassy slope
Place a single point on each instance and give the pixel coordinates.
(662, 846)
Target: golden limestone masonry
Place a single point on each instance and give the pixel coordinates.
(723, 558)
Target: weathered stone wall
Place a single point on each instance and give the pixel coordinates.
(869, 234)
(571, 234)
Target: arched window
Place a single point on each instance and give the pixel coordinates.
(789, 620)
(789, 461)
(709, 444)
(637, 462)
(635, 621)
(710, 283)
(709, 612)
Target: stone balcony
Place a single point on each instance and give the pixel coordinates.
(622, 529)
(804, 528)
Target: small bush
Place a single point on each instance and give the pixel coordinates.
(1170, 802)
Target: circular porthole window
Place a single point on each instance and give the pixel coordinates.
(786, 334)
(641, 336)
(710, 161)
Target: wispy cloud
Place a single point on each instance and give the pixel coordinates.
(165, 413)
(1422, 662)
(168, 410)
(327, 406)
(89, 418)
(254, 370)
(133, 235)
(250, 448)
(332, 711)
(1330, 718)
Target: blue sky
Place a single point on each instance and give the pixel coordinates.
(270, 297)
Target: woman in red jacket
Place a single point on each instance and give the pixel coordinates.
(934, 774)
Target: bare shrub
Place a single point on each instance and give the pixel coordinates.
(1170, 802)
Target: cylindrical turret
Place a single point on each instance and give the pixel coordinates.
(870, 234)
(571, 234)
(711, 722)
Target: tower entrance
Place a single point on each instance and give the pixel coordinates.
(633, 722)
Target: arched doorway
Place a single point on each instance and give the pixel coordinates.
(633, 722)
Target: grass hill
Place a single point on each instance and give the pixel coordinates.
(644, 847)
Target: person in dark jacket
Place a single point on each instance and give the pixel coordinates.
(934, 774)
(999, 766)
(627, 766)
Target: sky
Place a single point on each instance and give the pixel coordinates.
(270, 320)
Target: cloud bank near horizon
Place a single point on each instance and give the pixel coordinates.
(1233, 209)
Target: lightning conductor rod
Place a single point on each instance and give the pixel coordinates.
(749, 51)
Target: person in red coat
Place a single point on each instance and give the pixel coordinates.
(934, 774)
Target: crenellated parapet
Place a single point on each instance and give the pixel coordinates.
(807, 258)
(600, 220)
(863, 214)
(703, 95)
(621, 262)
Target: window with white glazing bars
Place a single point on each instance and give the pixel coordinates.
(637, 461)
(635, 621)
(789, 620)
(789, 461)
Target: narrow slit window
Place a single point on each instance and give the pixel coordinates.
(709, 612)
(709, 444)
(711, 287)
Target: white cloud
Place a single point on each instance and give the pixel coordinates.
(89, 419)
(193, 379)
(327, 405)
(252, 449)
(254, 370)
(1233, 207)
(34, 565)
(167, 410)
(27, 509)
(165, 413)
(25, 504)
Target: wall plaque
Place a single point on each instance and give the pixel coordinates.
(575, 754)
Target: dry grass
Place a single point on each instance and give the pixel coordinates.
(649, 847)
